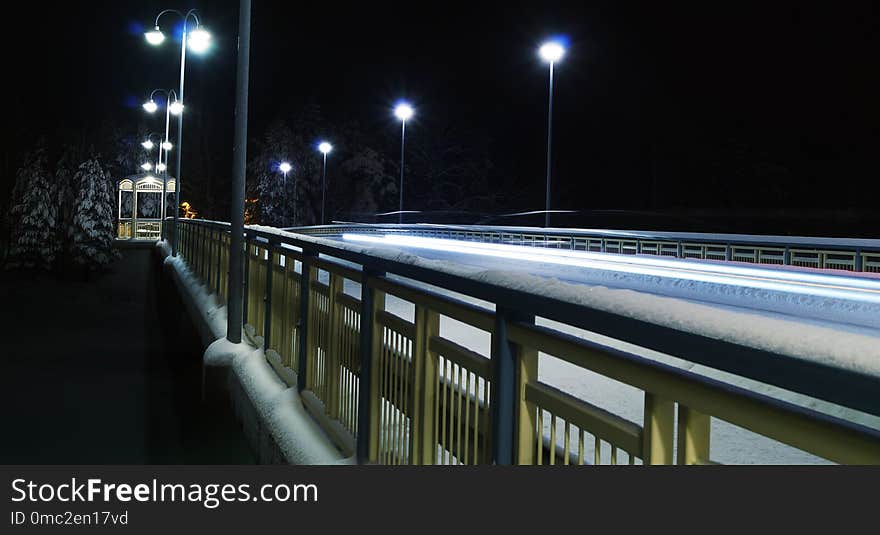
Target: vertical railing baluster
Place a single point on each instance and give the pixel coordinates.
(267, 318)
(505, 356)
(658, 429)
(424, 368)
(372, 301)
(304, 339)
(332, 359)
(694, 430)
(247, 278)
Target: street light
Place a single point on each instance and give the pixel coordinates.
(404, 112)
(163, 146)
(551, 52)
(199, 40)
(146, 166)
(325, 149)
(148, 144)
(285, 168)
(176, 108)
(150, 106)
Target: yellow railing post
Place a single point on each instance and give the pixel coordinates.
(527, 431)
(424, 441)
(332, 358)
(694, 430)
(658, 430)
(375, 395)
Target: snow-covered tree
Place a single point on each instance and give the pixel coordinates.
(275, 191)
(91, 234)
(33, 244)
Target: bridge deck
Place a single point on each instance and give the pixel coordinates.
(87, 375)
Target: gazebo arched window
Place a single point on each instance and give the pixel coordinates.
(141, 211)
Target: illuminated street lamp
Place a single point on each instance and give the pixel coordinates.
(551, 52)
(170, 102)
(285, 168)
(146, 166)
(198, 40)
(404, 112)
(325, 149)
(148, 144)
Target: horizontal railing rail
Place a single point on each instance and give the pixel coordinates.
(849, 254)
(397, 389)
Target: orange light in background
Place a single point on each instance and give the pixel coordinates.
(188, 212)
(250, 211)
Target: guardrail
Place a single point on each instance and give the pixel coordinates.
(819, 253)
(397, 391)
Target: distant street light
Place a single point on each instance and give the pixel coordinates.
(146, 166)
(163, 146)
(150, 106)
(551, 52)
(404, 112)
(325, 149)
(199, 40)
(285, 168)
(147, 145)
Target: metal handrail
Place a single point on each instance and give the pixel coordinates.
(698, 397)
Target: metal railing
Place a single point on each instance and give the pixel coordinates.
(395, 390)
(819, 253)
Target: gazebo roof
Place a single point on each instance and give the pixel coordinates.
(141, 176)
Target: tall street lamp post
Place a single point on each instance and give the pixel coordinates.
(198, 41)
(325, 149)
(403, 112)
(172, 107)
(551, 52)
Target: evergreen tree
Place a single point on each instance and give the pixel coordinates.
(33, 213)
(91, 234)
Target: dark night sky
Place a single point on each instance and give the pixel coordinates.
(648, 95)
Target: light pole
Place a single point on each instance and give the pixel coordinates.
(172, 107)
(198, 41)
(325, 149)
(551, 52)
(285, 168)
(403, 111)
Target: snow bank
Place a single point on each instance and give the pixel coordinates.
(272, 413)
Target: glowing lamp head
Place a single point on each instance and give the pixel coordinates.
(325, 147)
(161, 167)
(146, 166)
(150, 106)
(403, 111)
(551, 51)
(285, 167)
(176, 108)
(199, 40)
(166, 145)
(155, 36)
(147, 145)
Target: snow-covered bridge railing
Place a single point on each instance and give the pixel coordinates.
(812, 252)
(380, 360)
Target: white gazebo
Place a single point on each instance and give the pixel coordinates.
(141, 210)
